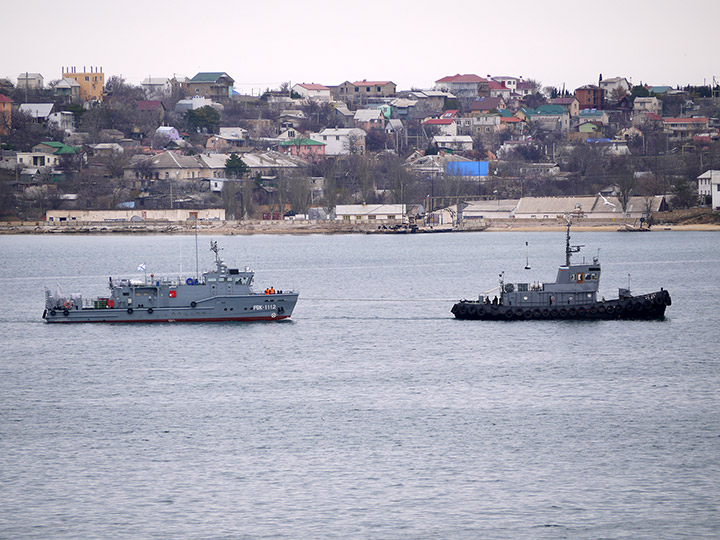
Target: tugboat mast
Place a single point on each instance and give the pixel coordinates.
(569, 250)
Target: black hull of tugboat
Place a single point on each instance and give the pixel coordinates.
(647, 306)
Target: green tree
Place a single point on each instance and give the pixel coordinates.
(639, 91)
(235, 167)
(204, 118)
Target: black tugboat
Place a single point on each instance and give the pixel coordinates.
(573, 295)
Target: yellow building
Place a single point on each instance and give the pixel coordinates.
(91, 82)
(5, 114)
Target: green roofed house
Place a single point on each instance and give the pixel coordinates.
(214, 85)
(594, 115)
(546, 117)
(303, 148)
(47, 154)
(56, 148)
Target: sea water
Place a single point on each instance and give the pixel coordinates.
(373, 413)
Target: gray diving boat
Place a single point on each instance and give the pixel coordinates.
(573, 295)
(223, 294)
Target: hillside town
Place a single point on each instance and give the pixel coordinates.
(86, 148)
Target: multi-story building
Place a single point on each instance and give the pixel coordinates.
(363, 91)
(342, 141)
(67, 90)
(156, 87)
(618, 84)
(91, 82)
(464, 86)
(709, 186)
(643, 105)
(590, 97)
(30, 81)
(217, 86)
(684, 128)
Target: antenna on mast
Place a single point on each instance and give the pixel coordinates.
(527, 257)
(569, 250)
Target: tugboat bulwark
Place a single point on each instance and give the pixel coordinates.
(223, 294)
(573, 295)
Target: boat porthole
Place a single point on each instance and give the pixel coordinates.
(66, 312)
(129, 310)
(52, 312)
(193, 304)
(150, 310)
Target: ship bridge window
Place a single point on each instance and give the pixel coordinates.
(244, 280)
(522, 287)
(211, 280)
(593, 276)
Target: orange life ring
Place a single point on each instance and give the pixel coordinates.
(68, 304)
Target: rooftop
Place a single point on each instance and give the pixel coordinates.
(457, 78)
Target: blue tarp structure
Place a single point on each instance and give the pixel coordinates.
(466, 168)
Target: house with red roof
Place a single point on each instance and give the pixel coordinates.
(684, 128)
(313, 91)
(463, 86)
(446, 124)
(152, 108)
(498, 89)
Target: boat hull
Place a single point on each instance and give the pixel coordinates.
(648, 306)
(217, 309)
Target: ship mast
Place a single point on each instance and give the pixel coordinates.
(569, 250)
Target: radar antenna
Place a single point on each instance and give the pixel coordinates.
(214, 248)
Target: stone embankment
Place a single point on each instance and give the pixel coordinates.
(692, 219)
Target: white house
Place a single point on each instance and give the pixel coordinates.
(170, 132)
(457, 142)
(313, 91)
(30, 80)
(369, 212)
(64, 120)
(341, 141)
(156, 87)
(615, 83)
(709, 184)
(39, 111)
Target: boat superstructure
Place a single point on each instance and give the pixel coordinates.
(573, 295)
(222, 294)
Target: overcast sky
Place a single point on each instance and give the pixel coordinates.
(413, 43)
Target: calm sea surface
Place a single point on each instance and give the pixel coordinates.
(373, 413)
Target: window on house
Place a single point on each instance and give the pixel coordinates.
(367, 88)
(379, 89)
(324, 137)
(337, 137)
(87, 79)
(357, 89)
(167, 174)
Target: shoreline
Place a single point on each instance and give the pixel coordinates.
(304, 228)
